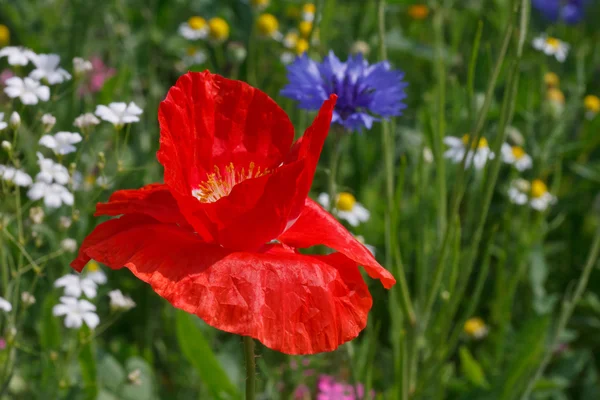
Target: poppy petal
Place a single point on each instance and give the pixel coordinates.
(316, 226)
(293, 303)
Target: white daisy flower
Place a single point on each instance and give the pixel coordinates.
(51, 171)
(5, 305)
(308, 12)
(86, 120)
(16, 176)
(75, 285)
(287, 57)
(81, 66)
(478, 156)
(515, 155)
(69, 245)
(119, 114)
(46, 67)
(194, 56)
(536, 194)
(476, 328)
(195, 28)
(552, 46)
(28, 90)
(54, 195)
(118, 301)
(61, 142)
(17, 55)
(346, 207)
(3, 124)
(27, 298)
(48, 120)
(95, 273)
(76, 312)
(518, 191)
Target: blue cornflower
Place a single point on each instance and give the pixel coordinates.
(365, 92)
(569, 11)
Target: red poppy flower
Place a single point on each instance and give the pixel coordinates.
(219, 238)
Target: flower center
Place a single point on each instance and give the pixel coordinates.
(219, 29)
(518, 152)
(553, 42)
(538, 189)
(592, 103)
(290, 40)
(92, 266)
(301, 46)
(219, 184)
(191, 51)
(418, 11)
(473, 326)
(551, 79)
(345, 201)
(309, 8)
(197, 23)
(267, 24)
(305, 27)
(555, 95)
(483, 143)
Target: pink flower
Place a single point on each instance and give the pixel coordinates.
(98, 76)
(2, 343)
(330, 389)
(302, 392)
(5, 74)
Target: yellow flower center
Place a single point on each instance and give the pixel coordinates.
(518, 152)
(191, 51)
(418, 11)
(4, 35)
(538, 188)
(219, 184)
(301, 46)
(592, 103)
(90, 179)
(92, 266)
(305, 27)
(309, 8)
(267, 24)
(474, 326)
(290, 40)
(551, 79)
(553, 42)
(197, 23)
(218, 29)
(483, 143)
(345, 201)
(555, 95)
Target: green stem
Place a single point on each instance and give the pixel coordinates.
(250, 368)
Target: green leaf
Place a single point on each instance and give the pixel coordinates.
(140, 380)
(471, 369)
(49, 326)
(111, 374)
(198, 352)
(87, 363)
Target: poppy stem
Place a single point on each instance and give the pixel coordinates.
(250, 368)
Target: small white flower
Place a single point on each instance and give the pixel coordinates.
(48, 120)
(75, 285)
(81, 66)
(195, 28)
(308, 12)
(15, 120)
(347, 208)
(95, 273)
(515, 155)
(2, 123)
(5, 305)
(76, 312)
(64, 222)
(287, 57)
(61, 142)
(6, 145)
(69, 245)
(427, 155)
(85, 121)
(119, 114)
(51, 171)
(552, 46)
(118, 301)
(46, 67)
(54, 195)
(535, 193)
(36, 214)
(458, 147)
(518, 190)
(194, 56)
(16, 176)
(27, 298)
(17, 55)
(29, 91)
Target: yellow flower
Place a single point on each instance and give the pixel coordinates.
(475, 328)
(483, 143)
(551, 79)
(305, 27)
(345, 201)
(4, 35)
(309, 8)
(555, 95)
(290, 40)
(592, 103)
(218, 29)
(538, 188)
(301, 46)
(418, 11)
(197, 23)
(267, 25)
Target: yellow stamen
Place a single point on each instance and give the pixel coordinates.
(518, 152)
(551, 79)
(553, 42)
(483, 143)
(305, 27)
(191, 50)
(197, 23)
(418, 11)
(290, 40)
(301, 46)
(267, 24)
(538, 188)
(475, 327)
(4, 35)
(92, 266)
(219, 185)
(345, 201)
(592, 103)
(555, 95)
(218, 29)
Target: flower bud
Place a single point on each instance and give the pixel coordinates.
(48, 120)
(360, 47)
(6, 146)
(15, 120)
(236, 52)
